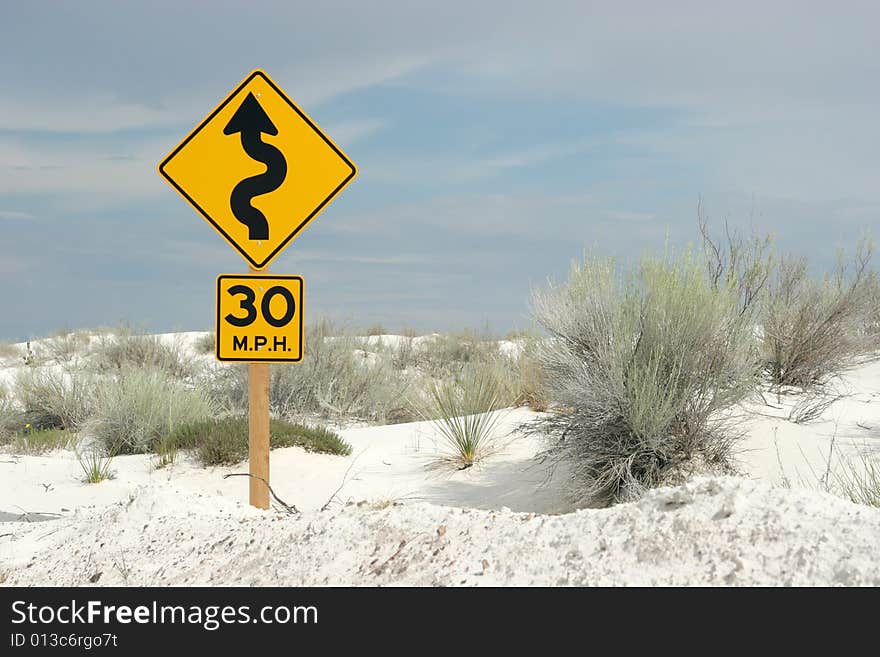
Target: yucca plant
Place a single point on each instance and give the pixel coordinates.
(95, 465)
(462, 413)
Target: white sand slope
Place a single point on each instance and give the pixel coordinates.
(710, 532)
(394, 520)
(388, 463)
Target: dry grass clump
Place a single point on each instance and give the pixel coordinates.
(56, 396)
(137, 408)
(337, 378)
(125, 349)
(65, 346)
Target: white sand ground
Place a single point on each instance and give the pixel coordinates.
(187, 525)
(709, 532)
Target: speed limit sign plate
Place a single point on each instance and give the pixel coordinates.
(259, 318)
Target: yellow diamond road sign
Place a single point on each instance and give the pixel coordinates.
(258, 169)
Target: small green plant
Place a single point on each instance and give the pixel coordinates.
(166, 452)
(461, 412)
(224, 441)
(95, 465)
(43, 440)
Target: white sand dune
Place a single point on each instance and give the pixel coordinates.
(392, 519)
(710, 532)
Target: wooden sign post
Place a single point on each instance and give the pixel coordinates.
(258, 433)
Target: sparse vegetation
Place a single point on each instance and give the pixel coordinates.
(9, 351)
(55, 396)
(640, 365)
(224, 441)
(338, 378)
(858, 479)
(10, 416)
(442, 356)
(41, 441)
(95, 465)
(205, 343)
(125, 350)
(65, 346)
(166, 452)
(462, 413)
(138, 407)
(812, 329)
(855, 477)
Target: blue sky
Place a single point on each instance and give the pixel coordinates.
(496, 141)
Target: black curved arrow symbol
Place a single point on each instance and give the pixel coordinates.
(251, 121)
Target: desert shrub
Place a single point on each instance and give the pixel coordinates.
(448, 354)
(224, 441)
(39, 441)
(640, 365)
(402, 354)
(204, 344)
(65, 346)
(812, 329)
(739, 262)
(337, 378)
(10, 416)
(461, 411)
(871, 320)
(137, 408)
(521, 375)
(55, 396)
(376, 329)
(124, 349)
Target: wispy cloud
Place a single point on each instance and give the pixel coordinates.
(15, 215)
